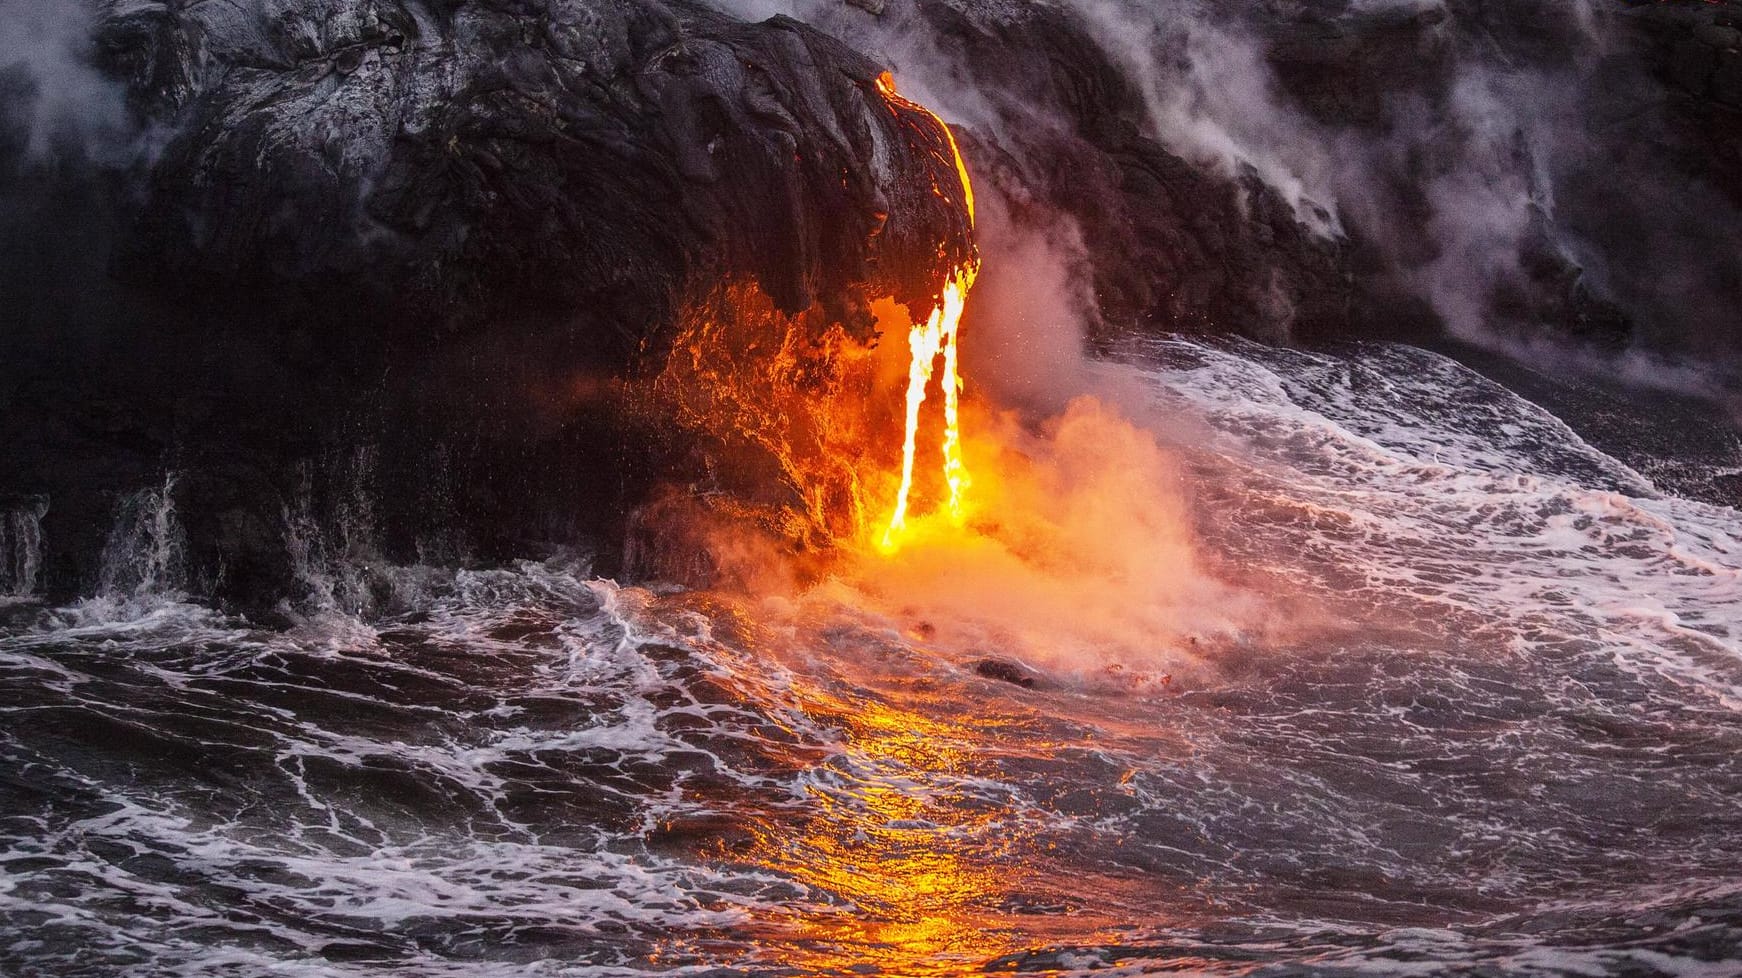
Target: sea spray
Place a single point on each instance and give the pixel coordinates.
(21, 548)
(146, 551)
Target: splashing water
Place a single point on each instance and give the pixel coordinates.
(146, 552)
(21, 548)
(1497, 735)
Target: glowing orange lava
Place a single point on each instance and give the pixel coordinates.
(926, 342)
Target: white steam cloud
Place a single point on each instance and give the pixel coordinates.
(68, 105)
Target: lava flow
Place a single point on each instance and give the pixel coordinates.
(937, 336)
(792, 407)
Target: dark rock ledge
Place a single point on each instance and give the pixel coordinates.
(410, 251)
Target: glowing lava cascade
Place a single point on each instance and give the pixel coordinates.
(937, 336)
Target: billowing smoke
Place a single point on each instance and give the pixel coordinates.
(1025, 336)
(1079, 557)
(1210, 97)
(69, 145)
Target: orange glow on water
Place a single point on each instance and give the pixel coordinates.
(904, 867)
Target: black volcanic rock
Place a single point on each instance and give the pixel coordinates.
(1309, 170)
(382, 266)
(1173, 244)
(1005, 672)
(438, 162)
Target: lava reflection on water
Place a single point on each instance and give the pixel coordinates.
(915, 857)
(893, 854)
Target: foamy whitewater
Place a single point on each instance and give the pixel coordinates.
(1425, 685)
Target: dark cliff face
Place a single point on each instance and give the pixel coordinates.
(1506, 170)
(441, 162)
(1173, 244)
(413, 251)
(424, 252)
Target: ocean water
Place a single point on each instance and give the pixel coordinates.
(1480, 712)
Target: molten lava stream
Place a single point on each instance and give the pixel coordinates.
(927, 341)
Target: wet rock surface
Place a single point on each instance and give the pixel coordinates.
(1005, 671)
(444, 162)
(1174, 244)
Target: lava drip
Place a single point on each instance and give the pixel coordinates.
(926, 342)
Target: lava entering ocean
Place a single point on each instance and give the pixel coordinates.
(927, 341)
(796, 413)
(1074, 551)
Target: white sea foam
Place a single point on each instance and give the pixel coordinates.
(1520, 682)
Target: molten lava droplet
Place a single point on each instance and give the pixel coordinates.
(926, 342)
